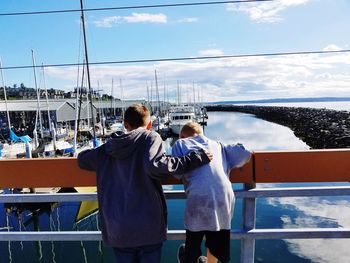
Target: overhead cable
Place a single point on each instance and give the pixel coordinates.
(131, 7)
(184, 59)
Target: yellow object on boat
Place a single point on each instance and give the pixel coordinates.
(86, 208)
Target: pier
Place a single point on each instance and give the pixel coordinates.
(265, 167)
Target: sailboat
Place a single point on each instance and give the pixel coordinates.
(114, 123)
(46, 146)
(17, 143)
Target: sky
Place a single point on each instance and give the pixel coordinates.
(175, 32)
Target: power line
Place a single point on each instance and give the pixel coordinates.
(132, 7)
(183, 59)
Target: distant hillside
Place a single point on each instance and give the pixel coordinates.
(283, 100)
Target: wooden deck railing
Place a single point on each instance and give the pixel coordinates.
(264, 167)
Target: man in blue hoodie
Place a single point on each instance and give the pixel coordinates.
(132, 205)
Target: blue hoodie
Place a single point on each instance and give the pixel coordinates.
(131, 200)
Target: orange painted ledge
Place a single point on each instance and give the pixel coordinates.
(265, 167)
(44, 172)
(302, 166)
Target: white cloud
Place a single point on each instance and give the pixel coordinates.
(331, 47)
(316, 212)
(133, 18)
(278, 137)
(267, 12)
(107, 21)
(145, 18)
(188, 20)
(211, 52)
(248, 78)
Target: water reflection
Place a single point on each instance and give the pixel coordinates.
(312, 212)
(254, 133)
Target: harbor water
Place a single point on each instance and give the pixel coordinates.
(228, 127)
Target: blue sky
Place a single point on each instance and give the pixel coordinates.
(225, 29)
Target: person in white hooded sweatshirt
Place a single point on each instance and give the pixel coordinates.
(210, 198)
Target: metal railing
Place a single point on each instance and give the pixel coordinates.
(247, 234)
(265, 167)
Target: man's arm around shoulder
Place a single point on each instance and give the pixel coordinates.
(88, 159)
(160, 164)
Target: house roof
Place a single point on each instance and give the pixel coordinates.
(32, 105)
(55, 105)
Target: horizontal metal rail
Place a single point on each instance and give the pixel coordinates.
(248, 234)
(294, 192)
(180, 194)
(237, 234)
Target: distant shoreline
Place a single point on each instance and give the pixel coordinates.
(283, 100)
(318, 128)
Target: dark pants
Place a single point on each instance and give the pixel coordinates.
(218, 243)
(144, 254)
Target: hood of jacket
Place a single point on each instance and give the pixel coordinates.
(123, 145)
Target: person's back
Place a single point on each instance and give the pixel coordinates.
(128, 172)
(126, 191)
(207, 187)
(210, 198)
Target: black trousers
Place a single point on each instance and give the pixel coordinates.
(218, 243)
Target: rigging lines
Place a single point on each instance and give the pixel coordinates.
(133, 7)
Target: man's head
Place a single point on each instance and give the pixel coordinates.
(191, 129)
(135, 116)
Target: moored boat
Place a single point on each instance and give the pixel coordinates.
(179, 116)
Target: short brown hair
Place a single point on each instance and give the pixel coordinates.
(137, 115)
(190, 129)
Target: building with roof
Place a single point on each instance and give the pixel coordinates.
(23, 113)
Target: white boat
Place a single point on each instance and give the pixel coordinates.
(10, 151)
(179, 116)
(61, 147)
(116, 127)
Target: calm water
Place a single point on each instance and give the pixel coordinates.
(227, 127)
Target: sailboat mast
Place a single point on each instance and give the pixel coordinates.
(5, 96)
(148, 94)
(47, 99)
(87, 68)
(112, 99)
(164, 96)
(194, 94)
(178, 93)
(37, 96)
(122, 97)
(157, 92)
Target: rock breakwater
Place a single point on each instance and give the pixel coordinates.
(318, 128)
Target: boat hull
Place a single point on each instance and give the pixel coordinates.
(176, 128)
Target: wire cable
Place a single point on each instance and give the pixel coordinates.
(132, 7)
(181, 59)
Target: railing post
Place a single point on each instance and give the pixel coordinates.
(248, 243)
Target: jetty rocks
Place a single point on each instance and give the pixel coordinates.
(318, 128)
